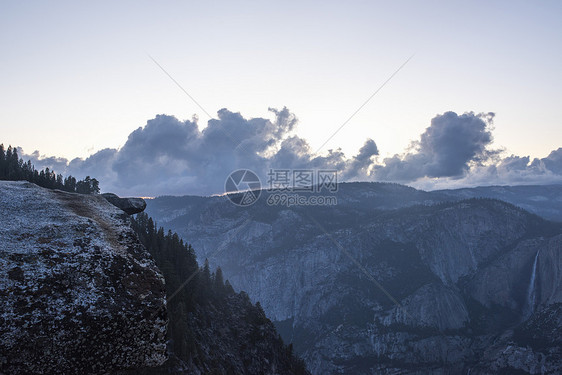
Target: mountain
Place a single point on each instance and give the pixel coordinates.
(543, 200)
(391, 279)
(80, 294)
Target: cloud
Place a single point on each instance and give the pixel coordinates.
(454, 151)
(553, 162)
(447, 148)
(170, 156)
(511, 170)
(175, 157)
(41, 161)
(99, 165)
(359, 166)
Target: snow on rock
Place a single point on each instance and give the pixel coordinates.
(79, 293)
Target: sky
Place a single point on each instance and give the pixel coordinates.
(78, 80)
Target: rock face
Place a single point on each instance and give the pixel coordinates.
(131, 206)
(79, 293)
(378, 284)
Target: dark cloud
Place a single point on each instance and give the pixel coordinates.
(514, 163)
(359, 166)
(447, 148)
(296, 153)
(99, 165)
(553, 162)
(170, 156)
(41, 161)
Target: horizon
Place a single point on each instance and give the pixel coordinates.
(219, 195)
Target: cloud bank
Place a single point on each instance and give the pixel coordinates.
(170, 156)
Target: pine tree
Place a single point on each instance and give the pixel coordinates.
(2, 161)
(228, 288)
(94, 186)
(259, 309)
(206, 273)
(218, 282)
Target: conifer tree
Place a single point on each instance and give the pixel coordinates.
(218, 282)
(206, 272)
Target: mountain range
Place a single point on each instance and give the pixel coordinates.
(392, 279)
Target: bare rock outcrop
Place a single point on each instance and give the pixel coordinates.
(79, 293)
(131, 206)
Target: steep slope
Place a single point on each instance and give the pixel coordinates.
(212, 329)
(79, 293)
(230, 335)
(462, 277)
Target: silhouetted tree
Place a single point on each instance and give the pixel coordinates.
(218, 280)
(206, 272)
(228, 288)
(15, 169)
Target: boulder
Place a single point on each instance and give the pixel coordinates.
(79, 292)
(131, 206)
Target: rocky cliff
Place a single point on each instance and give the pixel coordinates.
(382, 284)
(80, 294)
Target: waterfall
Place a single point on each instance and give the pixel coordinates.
(531, 292)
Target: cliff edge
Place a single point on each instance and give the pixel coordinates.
(80, 294)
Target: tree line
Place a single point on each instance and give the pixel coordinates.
(12, 168)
